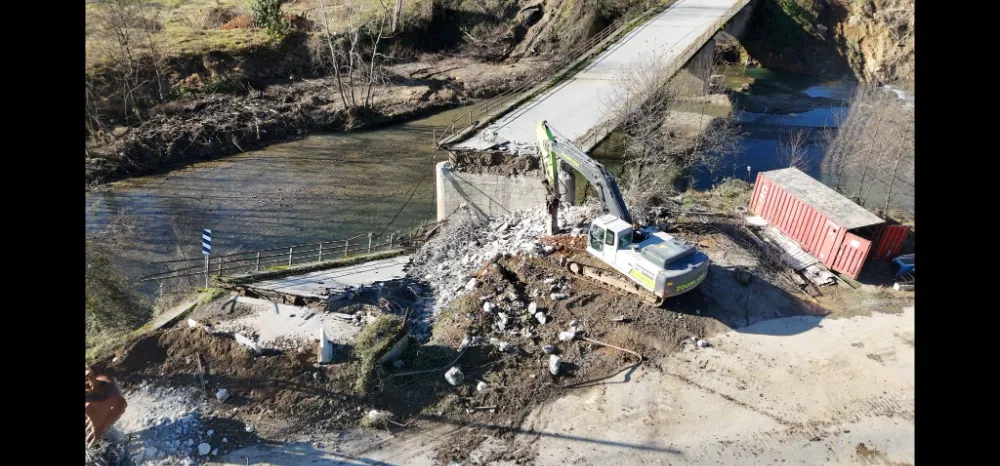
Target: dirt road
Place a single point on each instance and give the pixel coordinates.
(796, 390)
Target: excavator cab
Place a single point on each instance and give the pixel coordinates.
(105, 404)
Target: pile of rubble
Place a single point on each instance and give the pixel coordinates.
(448, 261)
(173, 435)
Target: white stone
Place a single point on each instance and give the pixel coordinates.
(487, 307)
(507, 347)
(554, 364)
(225, 440)
(558, 296)
(471, 285)
(567, 336)
(222, 394)
(703, 343)
(532, 307)
(204, 448)
(541, 317)
(454, 376)
(215, 452)
(481, 386)
(190, 443)
(249, 428)
(210, 432)
(549, 349)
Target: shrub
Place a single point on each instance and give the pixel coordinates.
(267, 15)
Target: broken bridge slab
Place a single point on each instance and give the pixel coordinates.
(331, 282)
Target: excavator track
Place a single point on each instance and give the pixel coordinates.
(608, 279)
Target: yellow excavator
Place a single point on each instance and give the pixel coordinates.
(105, 403)
(658, 265)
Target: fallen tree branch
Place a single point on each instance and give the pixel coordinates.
(641, 359)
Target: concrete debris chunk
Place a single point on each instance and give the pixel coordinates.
(325, 348)
(541, 317)
(532, 308)
(554, 364)
(703, 343)
(471, 285)
(253, 345)
(249, 428)
(507, 347)
(454, 376)
(225, 440)
(549, 349)
(222, 394)
(487, 307)
(481, 386)
(502, 319)
(210, 432)
(548, 249)
(204, 448)
(215, 452)
(568, 335)
(558, 296)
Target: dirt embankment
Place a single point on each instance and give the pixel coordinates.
(873, 39)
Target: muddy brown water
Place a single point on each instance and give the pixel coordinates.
(320, 188)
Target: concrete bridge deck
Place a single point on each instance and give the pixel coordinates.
(581, 106)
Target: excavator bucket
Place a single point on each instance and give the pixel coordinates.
(105, 404)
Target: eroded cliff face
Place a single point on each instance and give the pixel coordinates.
(877, 38)
(873, 39)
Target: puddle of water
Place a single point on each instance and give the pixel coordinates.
(322, 187)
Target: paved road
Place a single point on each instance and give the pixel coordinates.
(582, 102)
(333, 281)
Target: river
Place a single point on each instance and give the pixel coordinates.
(319, 188)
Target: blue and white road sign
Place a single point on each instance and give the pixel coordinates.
(206, 242)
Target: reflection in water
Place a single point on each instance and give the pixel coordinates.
(320, 188)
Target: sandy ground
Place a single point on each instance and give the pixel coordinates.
(796, 390)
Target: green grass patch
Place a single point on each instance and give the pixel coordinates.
(370, 344)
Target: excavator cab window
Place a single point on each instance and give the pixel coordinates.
(609, 238)
(597, 238)
(625, 240)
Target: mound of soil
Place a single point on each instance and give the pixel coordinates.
(518, 381)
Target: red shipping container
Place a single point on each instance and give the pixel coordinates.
(818, 218)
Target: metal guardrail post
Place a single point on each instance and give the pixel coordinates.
(207, 267)
(290, 255)
(369, 242)
(320, 259)
(392, 238)
(221, 260)
(257, 267)
(346, 242)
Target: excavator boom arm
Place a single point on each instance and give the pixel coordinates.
(607, 189)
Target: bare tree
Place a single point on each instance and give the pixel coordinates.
(872, 145)
(654, 142)
(793, 153)
(352, 50)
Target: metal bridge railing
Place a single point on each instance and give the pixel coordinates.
(256, 261)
